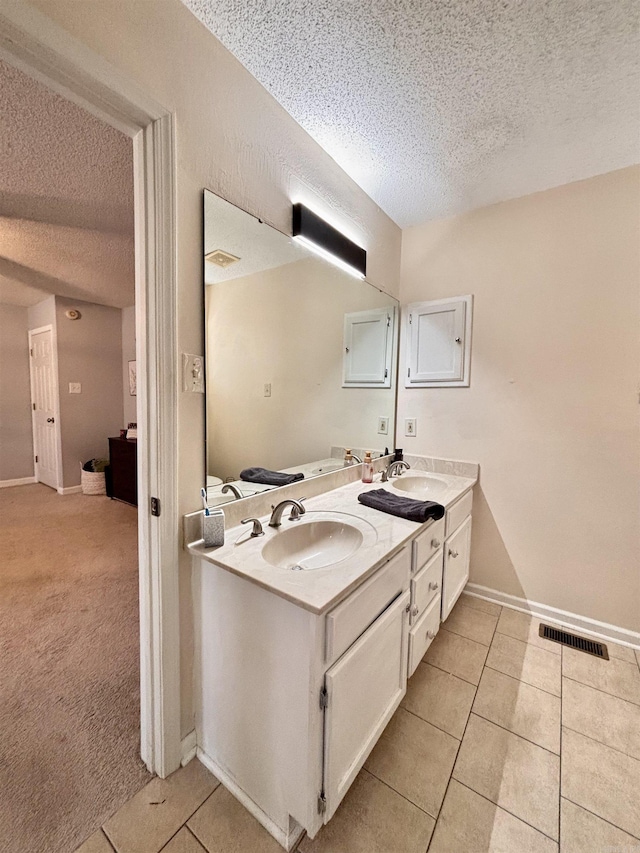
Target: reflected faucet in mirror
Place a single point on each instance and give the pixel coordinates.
(229, 487)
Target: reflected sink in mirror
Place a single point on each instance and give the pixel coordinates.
(328, 467)
(317, 542)
(421, 486)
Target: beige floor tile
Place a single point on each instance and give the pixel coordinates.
(526, 662)
(524, 627)
(457, 655)
(525, 710)
(223, 825)
(184, 842)
(613, 676)
(471, 623)
(583, 832)
(602, 717)
(469, 822)
(147, 821)
(601, 780)
(621, 652)
(415, 759)
(440, 698)
(96, 843)
(373, 819)
(512, 772)
(480, 604)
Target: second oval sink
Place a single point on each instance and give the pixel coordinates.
(312, 544)
(421, 485)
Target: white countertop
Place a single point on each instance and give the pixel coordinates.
(318, 590)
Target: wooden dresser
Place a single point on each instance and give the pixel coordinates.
(122, 482)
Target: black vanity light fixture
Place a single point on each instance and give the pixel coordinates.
(327, 241)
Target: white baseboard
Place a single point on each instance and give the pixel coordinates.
(284, 839)
(188, 748)
(69, 490)
(582, 624)
(22, 481)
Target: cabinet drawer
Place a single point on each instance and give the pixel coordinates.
(458, 512)
(426, 545)
(349, 619)
(425, 586)
(422, 634)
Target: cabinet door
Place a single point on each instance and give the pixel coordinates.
(439, 335)
(368, 339)
(457, 550)
(364, 688)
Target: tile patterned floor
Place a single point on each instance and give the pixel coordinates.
(504, 743)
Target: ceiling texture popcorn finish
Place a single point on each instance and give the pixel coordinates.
(435, 107)
(66, 199)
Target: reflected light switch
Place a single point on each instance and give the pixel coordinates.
(75, 388)
(192, 373)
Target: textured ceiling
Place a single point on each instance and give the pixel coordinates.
(66, 199)
(258, 246)
(438, 106)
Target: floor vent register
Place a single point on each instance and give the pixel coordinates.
(581, 644)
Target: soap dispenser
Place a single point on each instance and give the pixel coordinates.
(348, 458)
(367, 468)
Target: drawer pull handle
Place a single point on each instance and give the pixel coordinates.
(431, 635)
(452, 553)
(434, 585)
(415, 610)
(435, 543)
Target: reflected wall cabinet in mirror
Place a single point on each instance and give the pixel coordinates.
(300, 356)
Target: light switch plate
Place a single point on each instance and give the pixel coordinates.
(410, 426)
(383, 426)
(192, 373)
(267, 389)
(75, 388)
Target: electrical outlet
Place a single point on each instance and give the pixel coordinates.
(192, 373)
(267, 389)
(410, 426)
(75, 388)
(383, 426)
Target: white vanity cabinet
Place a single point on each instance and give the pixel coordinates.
(290, 703)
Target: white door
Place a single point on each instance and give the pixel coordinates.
(368, 346)
(439, 343)
(364, 688)
(44, 400)
(457, 552)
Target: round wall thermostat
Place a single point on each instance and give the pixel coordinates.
(72, 314)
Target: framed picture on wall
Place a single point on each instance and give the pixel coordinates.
(132, 378)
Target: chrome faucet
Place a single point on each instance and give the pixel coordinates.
(356, 458)
(229, 487)
(296, 511)
(396, 467)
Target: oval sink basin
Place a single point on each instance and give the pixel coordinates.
(421, 486)
(312, 545)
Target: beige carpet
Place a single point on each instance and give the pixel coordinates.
(69, 667)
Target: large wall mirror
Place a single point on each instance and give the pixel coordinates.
(300, 356)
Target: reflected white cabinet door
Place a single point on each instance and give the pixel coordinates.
(364, 688)
(368, 346)
(439, 343)
(457, 552)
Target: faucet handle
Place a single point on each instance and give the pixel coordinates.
(295, 513)
(257, 526)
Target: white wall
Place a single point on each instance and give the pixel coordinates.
(16, 441)
(552, 411)
(128, 354)
(233, 138)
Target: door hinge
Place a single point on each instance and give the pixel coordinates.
(408, 371)
(324, 698)
(322, 803)
(31, 351)
(36, 458)
(386, 373)
(388, 321)
(155, 507)
(34, 406)
(410, 319)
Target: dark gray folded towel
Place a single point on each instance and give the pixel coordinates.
(269, 478)
(408, 508)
